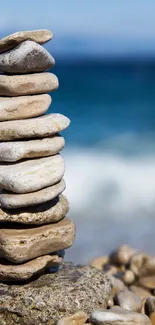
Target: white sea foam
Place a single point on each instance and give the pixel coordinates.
(119, 186)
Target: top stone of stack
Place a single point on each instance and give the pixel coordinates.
(39, 36)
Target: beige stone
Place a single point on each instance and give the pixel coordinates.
(128, 300)
(31, 175)
(147, 282)
(123, 255)
(152, 318)
(110, 269)
(142, 264)
(117, 285)
(21, 245)
(140, 292)
(49, 212)
(17, 108)
(128, 277)
(27, 57)
(38, 127)
(118, 316)
(16, 150)
(78, 318)
(99, 262)
(28, 84)
(9, 272)
(10, 200)
(39, 36)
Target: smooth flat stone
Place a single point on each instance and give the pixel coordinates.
(142, 264)
(10, 200)
(99, 262)
(38, 127)
(48, 212)
(31, 175)
(28, 84)
(118, 316)
(17, 108)
(14, 151)
(52, 296)
(27, 57)
(21, 245)
(9, 272)
(39, 36)
(147, 282)
(128, 300)
(79, 318)
(140, 292)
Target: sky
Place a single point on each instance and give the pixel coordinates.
(131, 22)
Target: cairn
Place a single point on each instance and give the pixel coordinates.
(34, 230)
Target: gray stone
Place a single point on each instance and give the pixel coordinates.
(40, 36)
(10, 272)
(53, 296)
(28, 84)
(10, 200)
(17, 108)
(118, 316)
(128, 300)
(49, 212)
(26, 243)
(38, 127)
(17, 150)
(31, 175)
(25, 58)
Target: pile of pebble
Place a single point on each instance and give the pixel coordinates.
(33, 227)
(132, 298)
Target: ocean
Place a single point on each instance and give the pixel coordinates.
(109, 153)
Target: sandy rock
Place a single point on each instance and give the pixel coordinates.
(10, 200)
(53, 296)
(27, 57)
(118, 316)
(117, 285)
(147, 282)
(39, 36)
(152, 318)
(17, 150)
(39, 127)
(110, 269)
(28, 84)
(128, 300)
(123, 255)
(21, 245)
(49, 212)
(99, 262)
(9, 272)
(149, 306)
(22, 107)
(140, 292)
(142, 264)
(78, 318)
(32, 175)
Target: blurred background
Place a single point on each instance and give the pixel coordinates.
(105, 62)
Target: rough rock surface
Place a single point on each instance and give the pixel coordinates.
(31, 175)
(44, 213)
(23, 106)
(28, 84)
(39, 36)
(27, 57)
(38, 127)
(10, 200)
(118, 316)
(19, 245)
(53, 296)
(10, 272)
(16, 150)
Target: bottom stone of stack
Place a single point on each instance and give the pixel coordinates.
(23, 243)
(21, 272)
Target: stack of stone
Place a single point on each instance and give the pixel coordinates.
(34, 230)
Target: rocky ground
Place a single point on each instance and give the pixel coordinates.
(116, 289)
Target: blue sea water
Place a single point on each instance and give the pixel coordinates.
(109, 153)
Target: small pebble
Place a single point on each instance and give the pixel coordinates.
(128, 277)
(149, 306)
(128, 300)
(99, 262)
